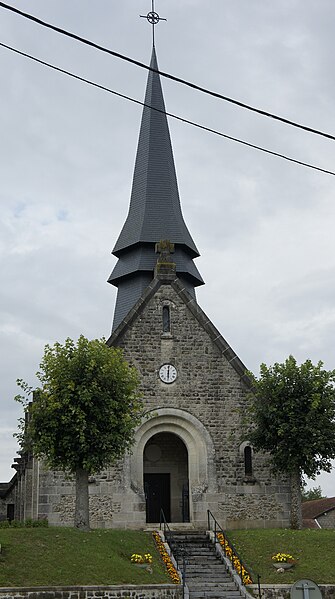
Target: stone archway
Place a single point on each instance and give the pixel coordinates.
(165, 478)
(200, 452)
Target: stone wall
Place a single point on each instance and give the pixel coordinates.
(107, 498)
(283, 591)
(8, 499)
(168, 591)
(139, 592)
(209, 389)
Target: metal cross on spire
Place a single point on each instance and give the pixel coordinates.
(153, 18)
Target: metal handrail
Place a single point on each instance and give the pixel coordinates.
(168, 534)
(220, 536)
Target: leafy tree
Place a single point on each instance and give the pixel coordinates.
(294, 421)
(311, 494)
(83, 415)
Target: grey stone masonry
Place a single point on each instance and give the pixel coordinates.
(205, 406)
(283, 591)
(154, 591)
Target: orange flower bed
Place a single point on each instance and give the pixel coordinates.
(166, 558)
(238, 567)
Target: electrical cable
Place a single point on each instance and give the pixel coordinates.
(166, 75)
(174, 116)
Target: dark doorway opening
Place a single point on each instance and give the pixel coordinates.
(165, 470)
(157, 493)
(10, 511)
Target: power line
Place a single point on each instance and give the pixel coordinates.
(174, 116)
(166, 75)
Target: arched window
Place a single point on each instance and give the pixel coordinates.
(248, 461)
(166, 319)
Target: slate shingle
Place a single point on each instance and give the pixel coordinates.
(154, 211)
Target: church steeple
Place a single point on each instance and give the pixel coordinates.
(154, 211)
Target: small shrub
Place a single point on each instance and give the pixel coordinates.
(40, 523)
(16, 524)
(29, 523)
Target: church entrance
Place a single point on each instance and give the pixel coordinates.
(165, 473)
(157, 493)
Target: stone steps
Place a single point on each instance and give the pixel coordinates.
(211, 586)
(206, 575)
(214, 592)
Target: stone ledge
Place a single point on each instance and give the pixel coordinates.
(150, 591)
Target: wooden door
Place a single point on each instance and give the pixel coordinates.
(157, 493)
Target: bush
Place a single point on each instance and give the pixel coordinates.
(29, 523)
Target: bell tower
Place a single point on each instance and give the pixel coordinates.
(155, 211)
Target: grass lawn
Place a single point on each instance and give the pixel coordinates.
(314, 550)
(66, 556)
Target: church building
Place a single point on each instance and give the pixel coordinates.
(191, 453)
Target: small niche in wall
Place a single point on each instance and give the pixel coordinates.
(248, 468)
(246, 453)
(247, 461)
(166, 319)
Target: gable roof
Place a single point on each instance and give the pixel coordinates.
(317, 507)
(197, 312)
(6, 488)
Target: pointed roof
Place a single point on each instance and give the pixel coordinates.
(154, 211)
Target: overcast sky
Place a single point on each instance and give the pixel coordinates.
(264, 227)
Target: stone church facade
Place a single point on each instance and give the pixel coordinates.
(191, 452)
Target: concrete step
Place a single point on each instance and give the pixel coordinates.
(197, 558)
(208, 584)
(199, 553)
(215, 592)
(215, 570)
(200, 582)
(215, 595)
(215, 574)
(190, 538)
(195, 549)
(207, 588)
(217, 565)
(208, 577)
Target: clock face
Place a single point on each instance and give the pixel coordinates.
(167, 373)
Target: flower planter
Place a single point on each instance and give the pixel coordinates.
(284, 565)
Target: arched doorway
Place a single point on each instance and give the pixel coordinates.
(166, 478)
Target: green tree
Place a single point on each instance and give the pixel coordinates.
(84, 413)
(311, 494)
(293, 410)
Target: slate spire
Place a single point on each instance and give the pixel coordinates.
(154, 211)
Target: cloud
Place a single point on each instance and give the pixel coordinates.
(264, 227)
